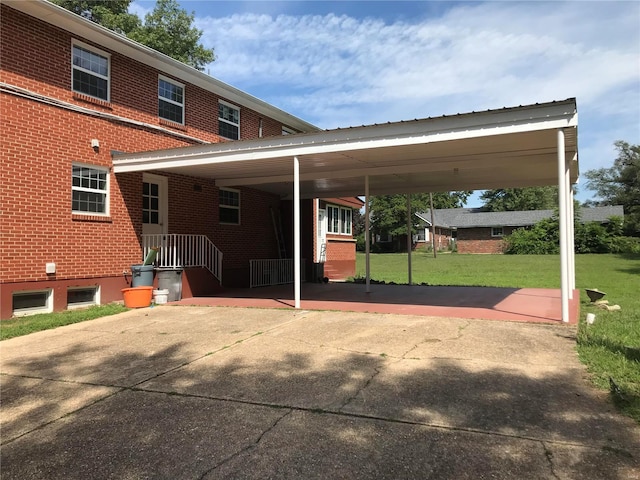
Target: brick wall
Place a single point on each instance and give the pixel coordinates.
(341, 257)
(40, 142)
(479, 240)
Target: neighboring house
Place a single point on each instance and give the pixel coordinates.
(73, 93)
(478, 231)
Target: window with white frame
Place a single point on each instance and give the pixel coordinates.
(89, 191)
(229, 206)
(170, 100)
(287, 131)
(90, 71)
(345, 221)
(228, 121)
(497, 231)
(338, 220)
(32, 302)
(82, 297)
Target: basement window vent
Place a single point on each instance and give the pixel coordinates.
(83, 297)
(30, 303)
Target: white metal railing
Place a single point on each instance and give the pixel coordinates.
(178, 250)
(276, 271)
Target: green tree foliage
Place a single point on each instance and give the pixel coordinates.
(168, 28)
(620, 185)
(591, 237)
(112, 14)
(515, 199)
(389, 212)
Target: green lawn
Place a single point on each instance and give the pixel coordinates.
(610, 347)
(18, 326)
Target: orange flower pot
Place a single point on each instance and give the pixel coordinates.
(137, 297)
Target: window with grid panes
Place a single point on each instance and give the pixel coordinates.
(90, 72)
(229, 206)
(170, 100)
(89, 191)
(228, 121)
(150, 203)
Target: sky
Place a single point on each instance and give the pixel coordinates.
(347, 63)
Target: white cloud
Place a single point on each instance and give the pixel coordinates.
(339, 71)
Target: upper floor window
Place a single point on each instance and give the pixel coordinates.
(229, 121)
(287, 131)
(339, 220)
(90, 71)
(170, 100)
(89, 191)
(229, 201)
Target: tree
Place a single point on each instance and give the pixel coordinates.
(620, 185)
(514, 199)
(168, 28)
(389, 212)
(112, 14)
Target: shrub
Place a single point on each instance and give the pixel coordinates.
(624, 245)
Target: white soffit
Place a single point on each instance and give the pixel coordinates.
(510, 147)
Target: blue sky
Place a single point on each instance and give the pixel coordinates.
(339, 64)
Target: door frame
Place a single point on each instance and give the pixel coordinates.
(163, 195)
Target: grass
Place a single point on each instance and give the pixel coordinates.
(610, 348)
(18, 326)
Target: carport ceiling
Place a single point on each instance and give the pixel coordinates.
(509, 147)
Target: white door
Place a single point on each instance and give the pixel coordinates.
(154, 204)
(321, 248)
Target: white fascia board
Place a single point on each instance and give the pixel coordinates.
(108, 39)
(344, 140)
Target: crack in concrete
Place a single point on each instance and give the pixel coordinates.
(246, 448)
(549, 456)
(43, 425)
(348, 400)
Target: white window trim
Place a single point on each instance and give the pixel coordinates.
(236, 107)
(48, 308)
(288, 131)
(97, 51)
(184, 97)
(96, 297)
(501, 234)
(107, 201)
(231, 206)
(329, 226)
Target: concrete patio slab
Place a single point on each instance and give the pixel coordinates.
(312, 446)
(534, 305)
(212, 392)
(137, 435)
(29, 403)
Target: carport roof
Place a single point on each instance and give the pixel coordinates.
(508, 147)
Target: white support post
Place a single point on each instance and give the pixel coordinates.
(367, 235)
(296, 231)
(409, 239)
(570, 246)
(564, 241)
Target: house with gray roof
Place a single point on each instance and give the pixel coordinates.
(477, 231)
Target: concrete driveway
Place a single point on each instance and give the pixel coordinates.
(212, 393)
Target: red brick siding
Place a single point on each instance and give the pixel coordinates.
(479, 240)
(40, 142)
(341, 257)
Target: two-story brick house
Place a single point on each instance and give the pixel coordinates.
(72, 94)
